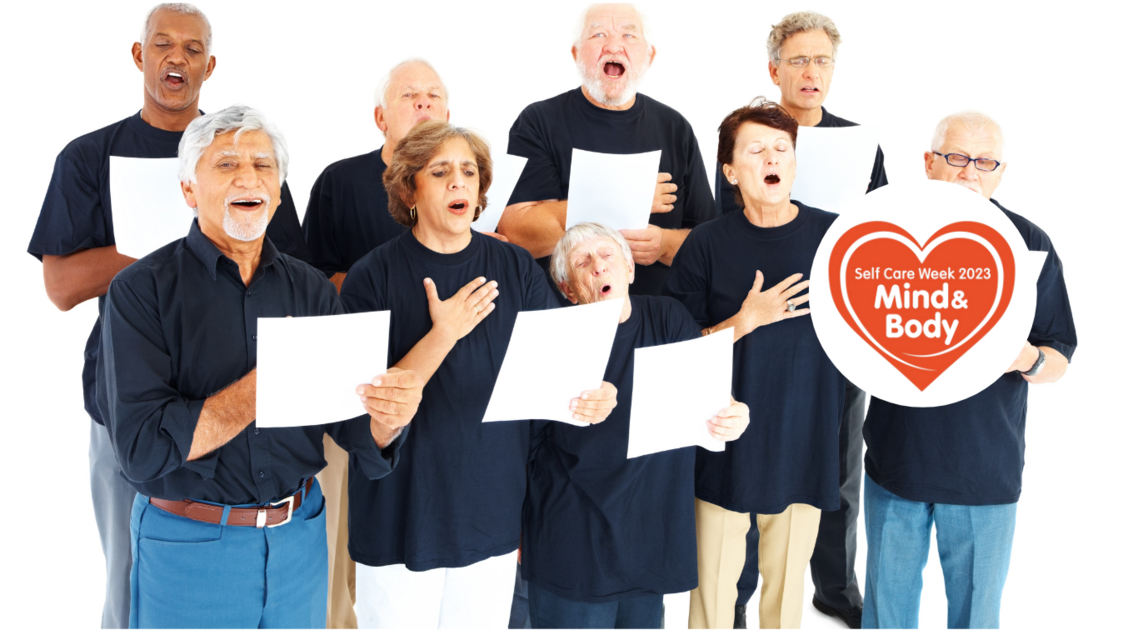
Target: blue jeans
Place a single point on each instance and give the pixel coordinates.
(975, 546)
(190, 574)
(548, 610)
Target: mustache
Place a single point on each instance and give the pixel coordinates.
(248, 195)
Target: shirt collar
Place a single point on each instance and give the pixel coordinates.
(209, 254)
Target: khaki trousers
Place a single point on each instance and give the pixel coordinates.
(786, 542)
(341, 570)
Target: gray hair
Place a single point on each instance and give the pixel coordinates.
(385, 84)
(796, 23)
(201, 132)
(580, 25)
(559, 260)
(975, 122)
(185, 9)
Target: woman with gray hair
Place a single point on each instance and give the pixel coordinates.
(785, 468)
(606, 537)
(434, 542)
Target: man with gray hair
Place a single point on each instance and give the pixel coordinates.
(228, 527)
(347, 217)
(75, 239)
(960, 466)
(613, 50)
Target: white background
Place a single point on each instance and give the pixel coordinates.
(1055, 75)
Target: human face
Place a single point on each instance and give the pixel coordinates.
(173, 61)
(974, 144)
(237, 188)
(763, 163)
(803, 89)
(446, 191)
(612, 54)
(415, 95)
(597, 271)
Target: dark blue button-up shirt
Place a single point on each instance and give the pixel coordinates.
(179, 326)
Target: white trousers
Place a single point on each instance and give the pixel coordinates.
(475, 597)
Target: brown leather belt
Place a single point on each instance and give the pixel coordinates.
(238, 516)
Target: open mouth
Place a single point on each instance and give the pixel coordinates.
(605, 290)
(772, 178)
(614, 69)
(810, 90)
(458, 207)
(247, 204)
(175, 79)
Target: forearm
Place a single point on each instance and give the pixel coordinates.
(736, 323)
(225, 415)
(1053, 368)
(670, 242)
(427, 355)
(72, 279)
(383, 434)
(534, 226)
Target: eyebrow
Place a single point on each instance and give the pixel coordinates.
(163, 33)
(444, 162)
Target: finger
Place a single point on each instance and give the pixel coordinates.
(667, 197)
(782, 286)
(758, 282)
(432, 292)
(794, 314)
(386, 407)
(663, 177)
(402, 378)
(634, 235)
(470, 287)
(391, 394)
(662, 208)
(388, 420)
(666, 187)
(483, 296)
(795, 290)
(485, 311)
(800, 300)
(735, 409)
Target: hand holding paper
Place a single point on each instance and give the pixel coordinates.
(392, 399)
(595, 405)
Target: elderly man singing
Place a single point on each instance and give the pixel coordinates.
(228, 525)
(613, 51)
(75, 238)
(960, 466)
(347, 217)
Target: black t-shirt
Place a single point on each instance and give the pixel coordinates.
(347, 213)
(789, 453)
(76, 211)
(597, 526)
(971, 452)
(456, 496)
(546, 132)
(726, 195)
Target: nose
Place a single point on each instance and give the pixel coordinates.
(421, 103)
(599, 267)
(969, 171)
(457, 181)
(612, 43)
(246, 175)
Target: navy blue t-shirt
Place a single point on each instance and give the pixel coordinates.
(456, 496)
(971, 452)
(789, 453)
(347, 213)
(597, 526)
(725, 195)
(546, 132)
(76, 211)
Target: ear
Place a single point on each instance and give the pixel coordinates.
(209, 67)
(652, 56)
(136, 53)
(380, 121)
(573, 50)
(564, 287)
(188, 194)
(448, 115)
(773, 69)
(729, 173)
(930, 158)
(631, 272)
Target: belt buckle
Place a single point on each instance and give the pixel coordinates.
(262, 516)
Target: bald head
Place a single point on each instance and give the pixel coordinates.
(411, 93)
(966, 137)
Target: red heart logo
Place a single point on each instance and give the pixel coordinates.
(922, 306)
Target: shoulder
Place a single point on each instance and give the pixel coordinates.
(145, 273)
(712, 230)
(91, 147)
(1033, 236)
(817, 217)
(348, 167)
(670, 314)
(665, 113)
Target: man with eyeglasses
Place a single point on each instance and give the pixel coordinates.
(802, 49)
(959, 466)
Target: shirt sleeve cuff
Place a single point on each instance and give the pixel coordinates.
(374, 462)
(180, 423)
(1066, 349)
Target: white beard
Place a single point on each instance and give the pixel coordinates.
(595, 86)
(249, 229)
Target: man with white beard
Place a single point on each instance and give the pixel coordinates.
(613, 51)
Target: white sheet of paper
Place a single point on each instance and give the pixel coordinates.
(677, 388)
(835, 165)
(147, 208)
(507, 170)
(615, 190)
(554, 356)
(308, 368)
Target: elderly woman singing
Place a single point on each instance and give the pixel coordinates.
(785, 467)
(434, 543)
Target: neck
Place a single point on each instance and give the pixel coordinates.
(388, 151)
(770, 215)
(442, 242)
(161, 118)
(626, 312)
(622, 107)
(247, 255)
(805, 117)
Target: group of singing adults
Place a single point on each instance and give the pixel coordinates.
(418, 515)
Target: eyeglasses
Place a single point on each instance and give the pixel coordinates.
(823, 62)
(961, 160)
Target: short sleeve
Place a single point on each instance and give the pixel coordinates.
(1054, 324)
(319, 229)
(284, 229)
(72, 217)
(688, 280)
(541, 179)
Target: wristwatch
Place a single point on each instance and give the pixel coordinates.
(1038, 366)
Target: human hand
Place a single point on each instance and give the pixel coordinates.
(495, 235)
(459, 314)
(1026, 358)
(765, 307)
(595, 405)
(646, 244)
(730, 423)
(392, 399)
(662, 201)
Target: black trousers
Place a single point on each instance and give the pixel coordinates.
(832, 565)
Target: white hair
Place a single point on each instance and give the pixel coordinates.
(201, 132)
(559, 260)
(580, 25)
(185, 9)
(975, 123)
(382, 88)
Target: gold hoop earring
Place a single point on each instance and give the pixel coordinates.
(414, 214)
(477, 211)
